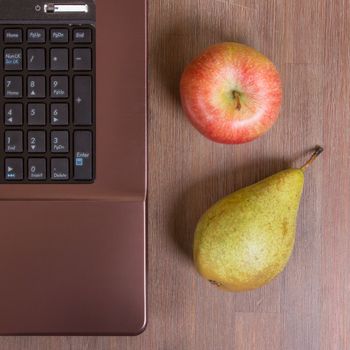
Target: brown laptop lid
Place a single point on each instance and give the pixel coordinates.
(72, 257)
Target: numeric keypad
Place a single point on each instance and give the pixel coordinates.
(47, 100)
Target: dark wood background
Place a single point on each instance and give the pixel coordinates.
(308, 306)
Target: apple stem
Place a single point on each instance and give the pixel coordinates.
(236, 96)
(317, 152)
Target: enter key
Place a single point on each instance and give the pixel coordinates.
(83, 155)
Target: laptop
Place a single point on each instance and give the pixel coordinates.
(73, 167)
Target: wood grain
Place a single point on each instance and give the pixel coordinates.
(307, 307)
(251, 330)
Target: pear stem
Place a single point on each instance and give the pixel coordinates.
(236, 96)
(317, 152)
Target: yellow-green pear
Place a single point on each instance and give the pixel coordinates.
(245, 240)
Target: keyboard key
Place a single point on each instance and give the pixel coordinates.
(13, 141)
(82, 100)
(59, 35)
(13, 59)
(14, 169)
(13, 36)
(59, 169)
(83, 155)
(13, 87)
(36, 87)
(36, 36)
(13, 114)
(59, 114)
(37, 169)
(59, 87)
(36, 114)
(59, 141)
(36, 59)
(82, 59)
(82, 35)
(36, 141)
(59, 59)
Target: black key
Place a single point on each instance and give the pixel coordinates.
(82, 59)
(59, 87)
(59, 59)
(82, 100)
(37, 169)
(13, 87)
(59, 35)
(36, 114)
(59, 141)
(82, 35)
(36, 86)
(13, 59)
(59, 169)
(36, 59)
(14, 141)
(36, 141)
(13, 114)
(59, 114)
(36, 36)
(83, 155)
(14, 169)
(13, 35)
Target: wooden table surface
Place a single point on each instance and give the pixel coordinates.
(308, 306)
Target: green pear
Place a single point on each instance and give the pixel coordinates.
(246, 239)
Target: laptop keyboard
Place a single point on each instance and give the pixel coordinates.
(48, 104)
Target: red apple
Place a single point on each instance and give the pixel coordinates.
(231, 93)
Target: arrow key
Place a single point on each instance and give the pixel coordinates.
(36, 87)
(36, 141)
(13, 114)
(59, 114)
